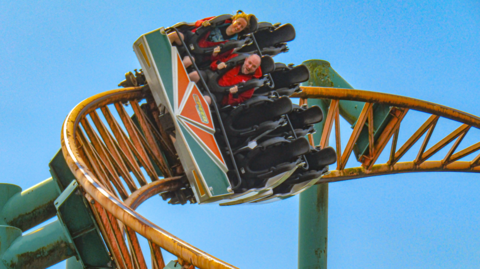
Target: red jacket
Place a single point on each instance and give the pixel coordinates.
(234, 77)
(203, 43)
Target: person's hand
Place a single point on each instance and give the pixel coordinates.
(216, 50)
(221, 66)
(234, 90)
(205, 23)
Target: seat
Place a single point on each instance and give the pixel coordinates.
(318, 161)
(271, 39)
(302, 120)
(269, 159)
(255, 117)
(286, 79)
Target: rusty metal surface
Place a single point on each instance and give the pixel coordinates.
(104, 199)
(400, 106)
(389, 99)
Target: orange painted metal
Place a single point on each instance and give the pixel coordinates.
(124, 146)
(466, 151)
(414, 138)
(152, 143)
(135, 249)
(96, 166)
(183, 80)
(401, 167)
(109, 235)
(157, 257)
(137, 147)
(110, 203)
(327, 129)
(382, 140)
(111, 149)
(446, 160)
(442, 143)
(338, 141)
(208, 139)
(389, 99)
(355, 134)
(394, 146)
(152, 189)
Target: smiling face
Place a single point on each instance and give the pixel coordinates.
(251, 64)
(237, 26)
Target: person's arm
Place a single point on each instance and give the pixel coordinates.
(220, 63)
(233, 101)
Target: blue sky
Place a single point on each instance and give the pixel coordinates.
(54, 54)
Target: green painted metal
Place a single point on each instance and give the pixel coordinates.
(41, 248)
(73, 263)
(27, 209)
(60, 170)
(77, 219)
(161, 50)
(313, 205)
(313, 228)
(173, 265)
(215, 178)
(322, 74)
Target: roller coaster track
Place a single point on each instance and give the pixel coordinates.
(120, 161)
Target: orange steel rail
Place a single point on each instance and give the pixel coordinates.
(107, 155)
(101, 158)
(401, 105)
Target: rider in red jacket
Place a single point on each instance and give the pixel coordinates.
(216, 36)
(241, 73)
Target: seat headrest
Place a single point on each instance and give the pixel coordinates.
(267, 65)
(253, 24)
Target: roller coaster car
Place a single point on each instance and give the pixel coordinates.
(251, 170)
(193, 38)
(271, 39)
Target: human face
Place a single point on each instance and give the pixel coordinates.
(251, 64)
(238, 25)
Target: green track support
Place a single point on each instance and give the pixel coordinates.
(27, 209)
(41, 248)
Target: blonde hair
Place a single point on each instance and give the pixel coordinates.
(242, 15)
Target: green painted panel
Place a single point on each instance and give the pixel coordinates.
(162, 54)
(322, 74)
(76, 216)
(216, 179)
(60, 170)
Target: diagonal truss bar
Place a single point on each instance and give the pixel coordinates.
(137, 143)
(446, 159)
(466, 152)
(112, 149)
(152, 144)
(445, 141)
(156, 254)
(327, 129)
(414, 138)
(124, 146)
(355, 134)
(420, 158)
(391, 128)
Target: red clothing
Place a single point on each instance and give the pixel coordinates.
(203, 43)
(233, 77)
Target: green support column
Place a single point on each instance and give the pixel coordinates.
(27, 209)
(41, 248)
(313, 217)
